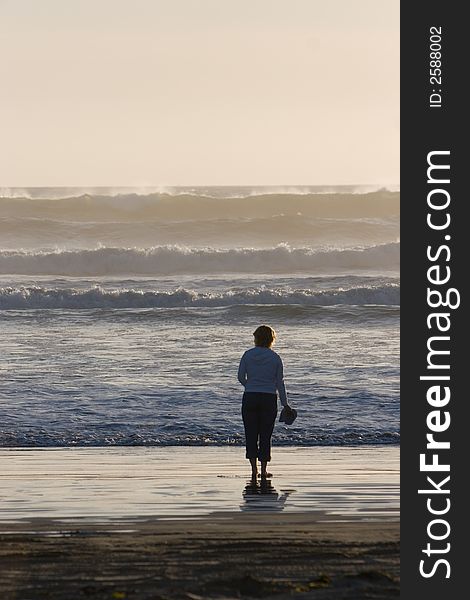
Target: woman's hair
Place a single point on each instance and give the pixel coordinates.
(264, 336)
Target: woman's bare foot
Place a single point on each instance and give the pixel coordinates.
(265, 475)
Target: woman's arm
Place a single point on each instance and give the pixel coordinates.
(242, 375)
(281, 388)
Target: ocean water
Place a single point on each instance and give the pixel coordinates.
(124, 313)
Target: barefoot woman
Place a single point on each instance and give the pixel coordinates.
(261, 374)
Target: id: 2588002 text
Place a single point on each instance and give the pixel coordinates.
(435, 67)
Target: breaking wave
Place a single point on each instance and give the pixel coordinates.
(165, 260)
(34, 297)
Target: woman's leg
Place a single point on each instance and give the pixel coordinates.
(264, 470)
(268, 418)
(250, 421)
(254, 468)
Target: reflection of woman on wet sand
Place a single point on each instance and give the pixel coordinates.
(261, 374)
(262, 496)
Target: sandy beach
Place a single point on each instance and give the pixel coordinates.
(187, 523)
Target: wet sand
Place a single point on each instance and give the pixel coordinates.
(125, 523)
(120, 482)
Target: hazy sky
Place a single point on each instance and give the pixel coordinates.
(199, 92)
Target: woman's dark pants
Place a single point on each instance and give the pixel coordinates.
(259, 412)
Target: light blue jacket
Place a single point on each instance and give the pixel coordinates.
(261, 370)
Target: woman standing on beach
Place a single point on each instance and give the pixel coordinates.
(261, 374)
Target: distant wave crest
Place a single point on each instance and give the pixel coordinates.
(165, 260)
(297, 229)
(202, 203)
